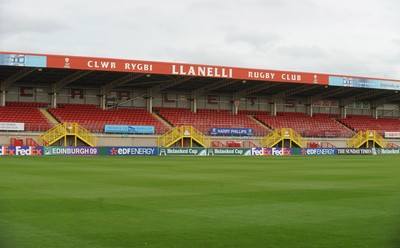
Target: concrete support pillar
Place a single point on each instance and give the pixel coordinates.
(309, 106)
(375, 113)
(54, 100)
(150, 104)
(103, 101)
(343, 111)
(3, 98)
(193, 106)
(235, 107)
(273, 108)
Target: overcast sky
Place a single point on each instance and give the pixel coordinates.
(355, 37)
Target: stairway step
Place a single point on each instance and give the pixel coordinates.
(49, 116)
(162, 120)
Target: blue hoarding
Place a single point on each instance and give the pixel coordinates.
(364, 83)
(356, 151)
(23, 60)
(232, 131)
(317, 151)
(129, 129)
(132, 151)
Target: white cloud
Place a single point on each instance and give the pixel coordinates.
(345, 37)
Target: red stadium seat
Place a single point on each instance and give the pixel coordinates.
(364, 123)
(94, 118)
(27, 113)
(205, 119)
(320, 125)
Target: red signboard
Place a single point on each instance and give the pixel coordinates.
(150, 67)
(169, 68)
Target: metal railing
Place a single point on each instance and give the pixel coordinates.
(278, 135)
(65, 129)
(363, 137)
(177, 133)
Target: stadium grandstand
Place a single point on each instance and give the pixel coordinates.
(40, 91)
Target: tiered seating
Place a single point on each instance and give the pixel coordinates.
(364, 123)
(94, 118)
(205, 119)
(321, 125)
(27, 113)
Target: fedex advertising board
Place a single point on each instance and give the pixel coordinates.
(21, 150)
(262, 151)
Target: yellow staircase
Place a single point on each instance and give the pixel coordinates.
(65, 131)
(285, 134)
(369, 138)
(182, 134)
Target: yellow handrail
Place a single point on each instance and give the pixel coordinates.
(271, 138)
(52, 135)
(356, 140)
(177, 133)
(370, 135)
(65, 129)
(278, 135)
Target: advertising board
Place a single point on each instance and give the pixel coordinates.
(182, 151)
(12, 126)
(364, 83)
(23, 60)
(70, 151)
(131, 151)
(129, 129)
(262, 151)
(164, 68)
(354, 151)
(392, 135)
(232, 131)
(388, 151)
(228, 151)
(315, 151)
(21, 150)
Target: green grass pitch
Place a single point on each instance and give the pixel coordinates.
(337, 201)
